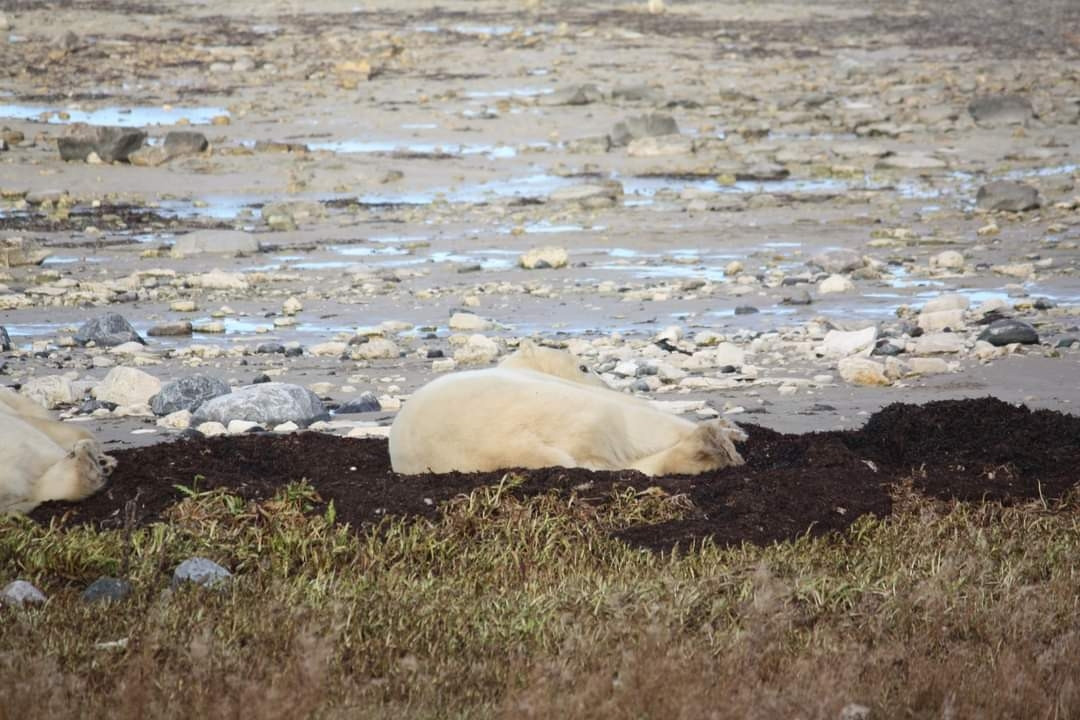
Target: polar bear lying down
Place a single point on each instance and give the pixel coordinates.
(44, 459)
(540, 408)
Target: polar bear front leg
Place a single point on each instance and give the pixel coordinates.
(709, 446)
(80, 474)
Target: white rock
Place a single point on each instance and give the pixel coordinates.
(835, 284)
(239, 427)
(468, 322)
(841, 343)
(127, 386)
(1017, 270)
(291, 306)
(179, 420)
(626, 368)
(660, 146)
(947, 302)
(226, 242)
(376, 349)
(20, 593)
(286, 427)
(441, 365)
(328, 349)
(544, 257)
(369, 431)
(50, 391)
(928, 366)
(948, 260)
(937, 321)
(478, 350)
(934, 343)
(862, 371)
(212, 429)
(220, 280)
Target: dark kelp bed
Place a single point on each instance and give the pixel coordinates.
(965, 450)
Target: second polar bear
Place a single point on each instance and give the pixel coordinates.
(541, 408)
(43, 459)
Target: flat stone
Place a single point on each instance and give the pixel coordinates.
(187, 393)
(1008, 196)
(948, 260)
(127, 386)
(21, 593)
(911, 161)
(469, 322)
(110, 144)
(107, 590)
(660, 146)
(178, 143)
(641, 126)
(239, 427)
(796, 297)
(478, 350)
(108, 330)
(211, 429)
(841, 343)
(366, 402)
(49, 391)
(941, 319)
(202, 572)
(225, 242)
(179, 420)
(993, 110)
(17, 251)
(544, 258)
(862, 371)
(838, 261)
(585, 94)
(947, 302)
(1009, 331)
(835, 284)
(376, 348)
(589, 194)
(937, 342)
(170, 329)
(268, 404)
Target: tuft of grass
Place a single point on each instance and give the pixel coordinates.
(504, 607)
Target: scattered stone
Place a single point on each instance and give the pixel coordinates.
(1009, 331)
(292, 306)
(838, 261)
(590, 196)
(1067, 342)
(835, 284)
(796, 297)
(575, 95)
(17, 251)
(936, 342)
(50, 391)
(948, 260)
(1023, 271)
(220, 280)
(239, 427)
(214, 327)
(911, 161)
(1008, 196)
(107, 590)
(661, 146)
(928, 366)
(187, 393)
(211, 429)
(746, 310)
(862, 371)
(478, 350)
(179, 420)
(270, 348)
(544, 257)
(839, 343)
(376, 348)
(468, 322)
(20, 593)
(366, 402)
(127, 386)
(170, 329)
(887, 347)
(941, 319)
(110, 144)
(109, 330)
(946, 302)
(202, 572)
(267, 404)
(643, 126)
(855, 711)
(225, 242)
(184, 142)
(994, 110)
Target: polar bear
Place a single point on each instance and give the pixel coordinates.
(43, 459)
(540, 408)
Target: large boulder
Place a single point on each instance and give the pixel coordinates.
(229, 242)
(110, 144)
(127, 386)
(109, 330)
(1007, 195)
(267, 404)
(187, 393)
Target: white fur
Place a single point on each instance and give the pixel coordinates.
(539, 409)
(43, 459)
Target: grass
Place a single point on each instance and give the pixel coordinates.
(527, 608)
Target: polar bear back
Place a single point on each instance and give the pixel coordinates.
(510, 417)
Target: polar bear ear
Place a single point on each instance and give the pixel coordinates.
(526, 348)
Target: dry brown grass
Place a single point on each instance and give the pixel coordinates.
(511, 608)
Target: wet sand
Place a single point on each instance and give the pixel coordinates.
(395, 161)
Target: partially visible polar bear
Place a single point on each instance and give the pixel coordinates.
(541, 408)
(43, 459)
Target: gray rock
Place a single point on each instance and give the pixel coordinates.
(172, 329)
(109, 330)
(641, 126)
(746, 310)
(185, 142)
(106, 590)
(888, 347)
(636, 93)
(228, 242)
(367, 402)
(1001, 110)
(575, 95)
(5, 339)
(838, 261)
(1007, 195)
(796, 297)
(1067, 342)
(111, 144)
(267, 404)
(202, 572)
(187, 393)
(270, 348)
(1006, 332)
(20, 593)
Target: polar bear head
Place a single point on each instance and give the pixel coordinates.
(561, 364)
